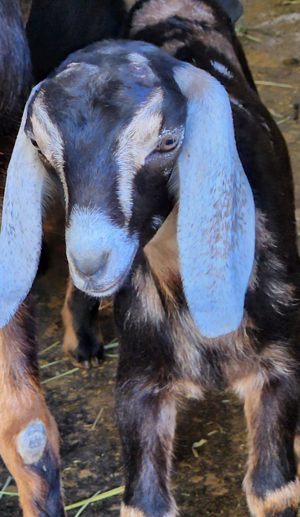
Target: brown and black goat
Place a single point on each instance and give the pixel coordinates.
(179, 200)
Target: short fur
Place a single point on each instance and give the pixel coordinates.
(163, 351)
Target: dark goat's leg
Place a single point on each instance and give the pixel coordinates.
(82, 339)
(271, 485)
(146, 417)
(28, 433)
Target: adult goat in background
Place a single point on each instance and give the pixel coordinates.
(182, 205)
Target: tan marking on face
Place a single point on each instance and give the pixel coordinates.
(49, 139)
(136, 142)
(47, 134)
(70, 341)
(159, 10)
(276, 501)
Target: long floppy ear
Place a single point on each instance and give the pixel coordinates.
(216, 222)
(21, 230)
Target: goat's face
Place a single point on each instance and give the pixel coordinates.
(119, 123)
(111, 132)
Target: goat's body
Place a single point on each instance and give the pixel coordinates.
(15, 68)
(56, 28)
(163, 355)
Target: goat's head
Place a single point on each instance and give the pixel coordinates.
(127, 130)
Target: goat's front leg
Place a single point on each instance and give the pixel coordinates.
(82, 338)
(146, 416)
(28, 433)
(271, 485)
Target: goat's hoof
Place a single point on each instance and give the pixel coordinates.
(87, 357)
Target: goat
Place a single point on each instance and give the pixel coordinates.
(53, 31)
(180, 203)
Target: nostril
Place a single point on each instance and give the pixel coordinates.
(89, 266)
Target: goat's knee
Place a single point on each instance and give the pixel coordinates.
(271, 485)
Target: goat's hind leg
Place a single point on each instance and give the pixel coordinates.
(271, 483)
(28, 433)
(82, 338)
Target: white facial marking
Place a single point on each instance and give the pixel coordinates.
(31, 442)
(136, 142)
(222, 69)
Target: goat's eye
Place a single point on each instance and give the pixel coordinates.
(34, 143)
(167, 143)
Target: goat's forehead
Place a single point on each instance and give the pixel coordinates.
(95, 95)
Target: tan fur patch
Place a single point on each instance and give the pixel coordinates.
(278, 361)
(297, 453)
(188, 389)
(148, 296)
(249, 384)
(129, 4)
(70, 341)
(163, 255)
(276, 501)
(126, 511)
(21, 402)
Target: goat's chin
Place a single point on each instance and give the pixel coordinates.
(97, 289)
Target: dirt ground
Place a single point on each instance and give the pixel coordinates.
(207, 477)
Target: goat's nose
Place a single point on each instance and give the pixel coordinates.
(90, 265)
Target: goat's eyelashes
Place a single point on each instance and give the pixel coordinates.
(167, 143)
